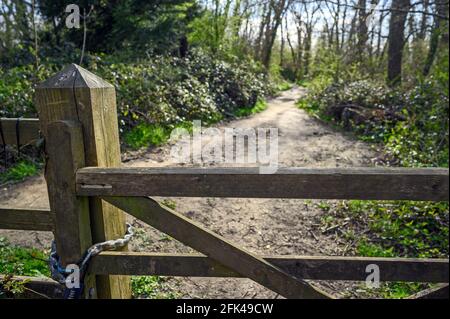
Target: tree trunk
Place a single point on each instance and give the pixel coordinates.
(423, 22)
(362, 30)
(438, 38)
(396, 40)
(307, 54)
(343, 27)
(282, 47)
(262, 26)
(278, 8)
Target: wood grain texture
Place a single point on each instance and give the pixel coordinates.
(75, 94)
(337, 183)
(28, 131)
(305, 267)
(27, 219)
(65, 154)
(216, 247)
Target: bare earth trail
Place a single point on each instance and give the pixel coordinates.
(263, 226)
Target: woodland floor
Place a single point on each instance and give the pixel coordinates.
(275, 226)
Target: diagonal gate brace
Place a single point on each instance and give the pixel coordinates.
(216, 247)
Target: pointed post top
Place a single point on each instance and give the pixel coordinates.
(74, 76)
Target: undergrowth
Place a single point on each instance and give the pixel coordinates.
(260, 106)
(284, 86)
(145, 135)
(156, 93)
(390, 229)
(22, 261)
(411, 124)
(151, 287)
(19, 261)
(19, 171)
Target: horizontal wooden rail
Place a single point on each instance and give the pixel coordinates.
(26, 219)
(28, 130)
(334, 183)
(305, 267)
(216, 247)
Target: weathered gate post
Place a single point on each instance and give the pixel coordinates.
(78, 96)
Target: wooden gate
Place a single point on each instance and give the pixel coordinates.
(89, 192)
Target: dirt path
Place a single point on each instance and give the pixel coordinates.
(282, 227)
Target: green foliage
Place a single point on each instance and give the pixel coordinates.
(399, 290)
(260, 106)
(145, 135)
(402, 228)
(19, 171)
(405, 229)
(216, 30)
(233, 83)
(373, 250)
(330, 66)
(393, 229)
(160, 91)
(413, 125)
(140, 26)
(323, 206)
(22, 261)
(157, 93)
(169, 203)
(422, 139)
(284, 86)
(326, 67)
(151, 287)
(394, 290)
(206, 32)
(411, 121)
(17, 89)
(10, 288)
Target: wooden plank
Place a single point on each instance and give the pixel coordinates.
(36, 287)
(336, 183)
(216, 247)
(28, 131)
(441, 291)
(26, 219)
(75, 94)
(305, 267)
(65, 154)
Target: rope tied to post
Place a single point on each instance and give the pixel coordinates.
(62, 275)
